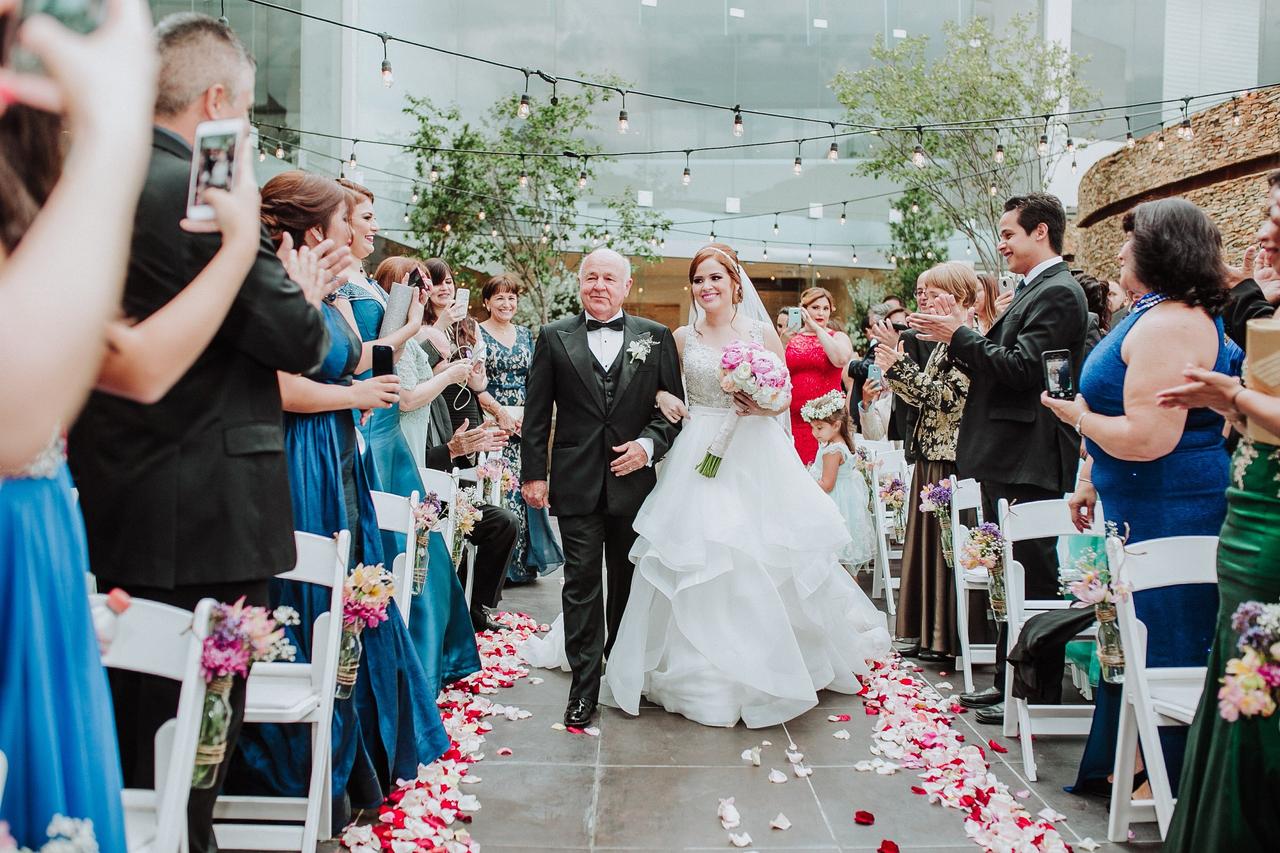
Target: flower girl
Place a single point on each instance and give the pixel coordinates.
(836, 473)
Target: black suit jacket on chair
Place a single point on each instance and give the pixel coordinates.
(561, 376)
(1006, 434)
(194, 489)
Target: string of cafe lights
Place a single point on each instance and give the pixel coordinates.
(524, 106)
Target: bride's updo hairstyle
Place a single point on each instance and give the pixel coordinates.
(726, 257)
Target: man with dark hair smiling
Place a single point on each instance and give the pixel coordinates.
(1009, 442)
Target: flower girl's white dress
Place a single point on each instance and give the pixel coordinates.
(739, 608)
(852, 499)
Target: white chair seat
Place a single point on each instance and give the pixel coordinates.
(976, 576)
(1176, 698)
(140, 819)
(280, 693)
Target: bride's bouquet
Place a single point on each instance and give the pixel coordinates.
(748, 367)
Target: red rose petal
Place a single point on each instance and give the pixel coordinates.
(887, 846)
(843, 718)
(916, 789)
(862, 818)
(996, 746)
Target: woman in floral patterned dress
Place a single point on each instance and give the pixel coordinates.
(508, 351)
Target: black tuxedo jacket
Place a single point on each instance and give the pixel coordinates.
(194, 489)
(1245, 302)
(1006, 435)
(562, 376)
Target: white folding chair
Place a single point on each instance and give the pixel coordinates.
(1037, 520)
(300, 694)
(4, 773)
(446, 488)
(967, 495)
(1153, 696)
(165, 641)
(892, 463)
(395, 515)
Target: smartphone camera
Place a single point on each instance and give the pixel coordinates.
(794, 319)
(213, 162)
(1059, 380)
(383, 364)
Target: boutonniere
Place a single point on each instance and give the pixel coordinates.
(639, 348)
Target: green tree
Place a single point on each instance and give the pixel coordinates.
(918, 242)
(863, 295)
(978, 74)
(521, 213)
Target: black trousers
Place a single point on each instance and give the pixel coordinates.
(1039, 557)
(495, 537)
(144, 702)
(588, 630)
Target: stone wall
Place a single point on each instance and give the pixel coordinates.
(1223, 169)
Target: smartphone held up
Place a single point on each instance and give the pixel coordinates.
(1059, 378)
(213, 162)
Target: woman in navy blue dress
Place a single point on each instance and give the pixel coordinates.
(1158, 472)
(391, 725)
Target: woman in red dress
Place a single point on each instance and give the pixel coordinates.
(816, 357)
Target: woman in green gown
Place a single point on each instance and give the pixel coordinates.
(1229, 796)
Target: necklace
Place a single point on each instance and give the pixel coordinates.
(1148, 300)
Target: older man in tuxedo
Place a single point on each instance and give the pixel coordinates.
(1008, 441)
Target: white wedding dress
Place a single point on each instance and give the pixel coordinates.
(739, 608)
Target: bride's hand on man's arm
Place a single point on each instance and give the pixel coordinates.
(745, 406)
(671, 406)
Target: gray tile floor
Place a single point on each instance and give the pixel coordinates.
(653, 783)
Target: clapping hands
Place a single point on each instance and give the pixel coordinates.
(315, 270)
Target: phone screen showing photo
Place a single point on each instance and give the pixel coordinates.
(1058, 380)
(216, 164)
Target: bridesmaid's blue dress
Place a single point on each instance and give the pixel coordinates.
(439, 620)
(391, 724)
(57, 728)
(1180, 494)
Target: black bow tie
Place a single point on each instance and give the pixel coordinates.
(615, 324)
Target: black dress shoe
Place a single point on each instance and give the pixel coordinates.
(993, 715)
(578, 712)
(982, 698)
(482, 621)
(930, 656)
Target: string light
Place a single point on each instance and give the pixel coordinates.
(279, 151)
(351, 161)
(999, 153)
(1071, 143)
(448, 226)
(917, 156)
(493, 231)
(387, 77)
(1129, 141)
(915, 208)
(523, 110)
(766, 251)
(415, 197)
(406, 213)
(582, 175)
(992, 189)
(262, 155)
(833, 153)
(1236, 121)
(1185, 131)
(1042, 147)
(1160, 141)
(1073, 165)
(524, 175)
(968, 248)
(737, 121)
(855, 254)
(687, 177)
(810, 257)
(798, 167)
(712, 233)
(546, 228)
(623, 122)
(480, 215)
(843, 207)
(775, 225)
(434, 174)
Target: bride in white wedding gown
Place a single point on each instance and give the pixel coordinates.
(739, 608)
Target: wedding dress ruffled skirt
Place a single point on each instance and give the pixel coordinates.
(739, 608)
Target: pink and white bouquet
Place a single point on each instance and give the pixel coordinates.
(499, 470)
(239, 636)
(748, 368)
(1252, 681)
(893, 492)
(1095, 584)
(466, 515)
(366, 597)
(984, 551)
(426, 517)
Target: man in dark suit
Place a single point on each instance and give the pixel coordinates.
(1008, 441)
(498, 529)
(601, 371)
(189, 497)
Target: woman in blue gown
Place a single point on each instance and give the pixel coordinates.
(439, 622)
(1157, 472)
(391, 725)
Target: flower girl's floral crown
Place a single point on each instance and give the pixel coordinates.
(821, 408)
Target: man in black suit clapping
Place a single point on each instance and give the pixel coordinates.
(188, 497)
(1011, 444)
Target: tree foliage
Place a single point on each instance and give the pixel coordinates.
(977, 75)
(480, 212)
(918, 242)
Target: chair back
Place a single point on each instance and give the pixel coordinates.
(1035, 520)
(322, 561)
(395, 515)
(965, 495)
(1154, 564)
(157, 639)
(445, 485)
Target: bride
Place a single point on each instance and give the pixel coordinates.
(739, 608)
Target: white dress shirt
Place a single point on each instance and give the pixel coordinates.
(605, 344)
(1041, 267)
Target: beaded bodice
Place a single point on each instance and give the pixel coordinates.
(45, 466)
(702, 369)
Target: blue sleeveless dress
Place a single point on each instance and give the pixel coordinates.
(57, 728)
(1180, 494)
(439, 621)
(391, 724)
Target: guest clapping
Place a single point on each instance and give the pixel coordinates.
(816, 357)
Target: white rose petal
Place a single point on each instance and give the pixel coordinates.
(942, 685)
(594, 731)
(841, 735)
(743, 840)
(864, 766)
(1088, 845)
(795, 757)
(535, 680)
(728, 814)
(777, 777)
(801, 770)
(1050, 815)
(558, 726)
(780, 822)
(766, 743)
(752, 755)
